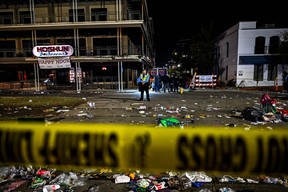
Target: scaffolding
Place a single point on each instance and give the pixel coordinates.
(146, 39)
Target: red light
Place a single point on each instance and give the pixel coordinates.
(104, 68)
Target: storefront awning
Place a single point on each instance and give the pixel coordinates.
(266, 59)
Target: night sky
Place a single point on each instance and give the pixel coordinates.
(176, 20)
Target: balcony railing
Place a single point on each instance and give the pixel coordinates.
(83, 51)
(44, 18)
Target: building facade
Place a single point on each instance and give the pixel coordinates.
(248, 54)
(112, 41)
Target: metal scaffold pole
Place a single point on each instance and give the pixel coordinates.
(119, 45)
(120, 64)
(78, 71)
(34, 43)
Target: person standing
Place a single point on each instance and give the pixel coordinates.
(165, 80)
(285, 81)
(171, 83)
(157, 82)
(176, 83)
(144, 83)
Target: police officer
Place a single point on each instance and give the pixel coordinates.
(144, 84)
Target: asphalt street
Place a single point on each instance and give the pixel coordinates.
(204, 107)
(217, 108)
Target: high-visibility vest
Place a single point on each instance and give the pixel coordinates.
(144, 78)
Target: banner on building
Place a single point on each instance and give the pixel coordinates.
(53, 51)
(54, 63)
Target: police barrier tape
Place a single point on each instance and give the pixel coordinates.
(210, 149)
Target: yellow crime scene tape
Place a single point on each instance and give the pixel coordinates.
(209, 149)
